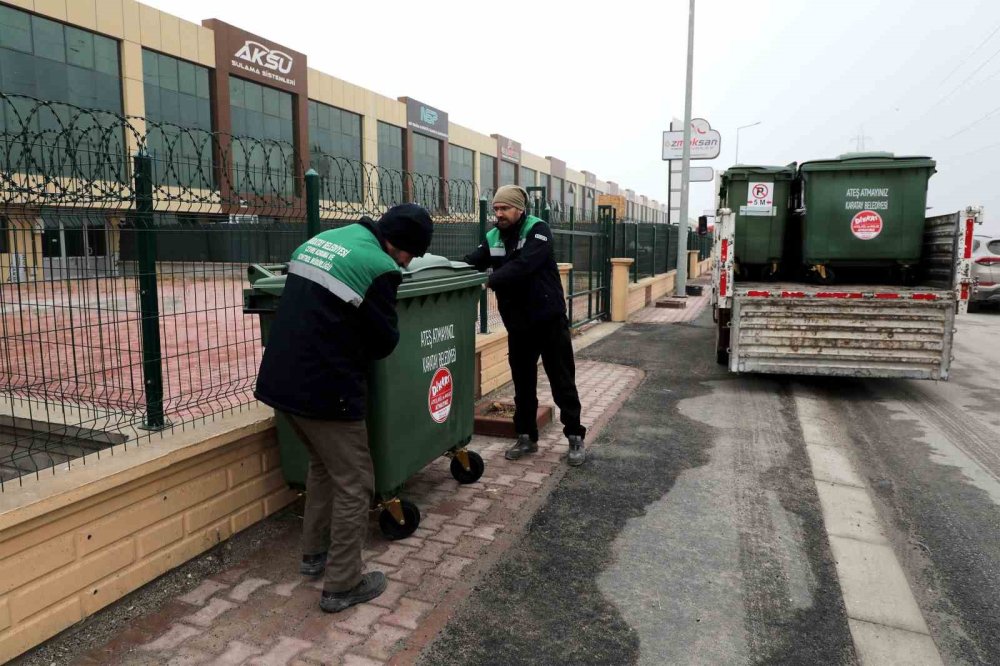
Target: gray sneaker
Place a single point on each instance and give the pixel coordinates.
(522, 447)
(577, 451)
(372, 584)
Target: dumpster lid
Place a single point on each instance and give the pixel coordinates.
(745, 171)
(870, 160)
(428, 274)
(433, 274)
(433, 266)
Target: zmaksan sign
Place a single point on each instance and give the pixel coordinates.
(426, 119)
(257, 59)
(706, 143)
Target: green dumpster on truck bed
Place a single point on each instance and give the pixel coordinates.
(759, 197)
(864, 210)
(421, 398)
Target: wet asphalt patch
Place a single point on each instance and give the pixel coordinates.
(543, 603)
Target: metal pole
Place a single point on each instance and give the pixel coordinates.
(742, 127)
(483, 302)
(635, 263)
(149, 306)
(572, 261)
(681, 278)
(312, 203)
(590, 282)
(652, 254)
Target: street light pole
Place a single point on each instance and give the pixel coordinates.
(683, 226)
(737, 161)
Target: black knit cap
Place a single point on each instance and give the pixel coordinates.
(408, 227)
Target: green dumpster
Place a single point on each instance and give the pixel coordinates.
(421, 397)
(864, 210)
(759, 197)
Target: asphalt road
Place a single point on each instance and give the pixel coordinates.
(931, 453)
(694, 535)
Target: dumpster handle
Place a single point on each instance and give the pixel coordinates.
(257, 271)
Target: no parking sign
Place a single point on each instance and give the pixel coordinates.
(760, 199)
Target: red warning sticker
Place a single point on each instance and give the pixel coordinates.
(866, 225)
(440, 395)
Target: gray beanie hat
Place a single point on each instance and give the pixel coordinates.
(512, 195)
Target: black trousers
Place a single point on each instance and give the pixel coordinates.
(552, 342)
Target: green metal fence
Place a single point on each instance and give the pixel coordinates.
(124, 245)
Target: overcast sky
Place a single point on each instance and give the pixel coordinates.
(595, 85)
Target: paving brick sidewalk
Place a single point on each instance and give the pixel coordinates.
(655, 315)
(262, 612)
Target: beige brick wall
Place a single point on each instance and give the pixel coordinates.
(536, 162)
(663, 285)
(491, 352)
(648, 290)
(70, 560)
(638, 297)
(471, 139)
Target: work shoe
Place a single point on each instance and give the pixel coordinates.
(522, 447)
(577, 452)
(372, 584)
(312, 565)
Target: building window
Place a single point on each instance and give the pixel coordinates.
(508, 173)
(262, 148)
(426, 156)
(390, 163)
(335, 151)
(588, 202)
(59, 63)
(545, 180)
(461, 180)
(556, 193)
(459, 163)
(528, 177)
(179, 115)
(487, 176)
(426, 171)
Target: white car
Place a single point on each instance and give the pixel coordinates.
(985, 270)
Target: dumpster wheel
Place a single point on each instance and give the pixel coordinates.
(398, 519)
(468, 470)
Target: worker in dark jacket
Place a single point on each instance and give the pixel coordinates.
(336, 315)
(533, 308)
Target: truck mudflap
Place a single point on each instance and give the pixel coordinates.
(723, 259)
(964, 282)
(905, 333)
